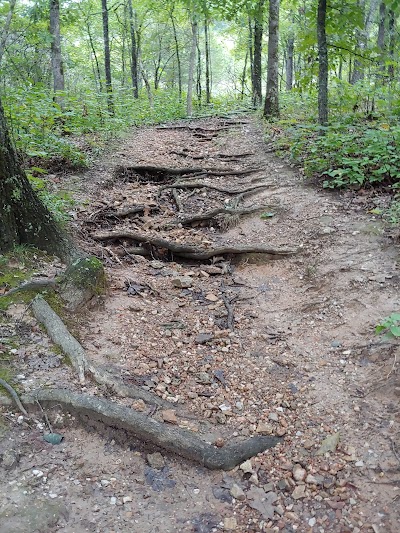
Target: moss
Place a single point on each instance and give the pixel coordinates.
(87, 273)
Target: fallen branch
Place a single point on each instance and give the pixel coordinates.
(177, 200)
(208, 215)
(117, 213)
(192, 252)
(160, 173)
(60, 335)
(195, 128)
(173, 439)
(202, 185)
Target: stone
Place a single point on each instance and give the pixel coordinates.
(212, 270)
(182, 282)
(264, 429)
(211, 297)
(308, 444)
(230, 523)
(204, 378)
(127, 499)
(312, 480)
(247, 467)
(336, 344)
(237, 493)
(156, 460)
(113, 500)
(299, 492)
(9, 459)
(169, 416)
(299, 473)
(139, 405)
(283, 484)
(312, 521)
(203, 338)
(273, 416)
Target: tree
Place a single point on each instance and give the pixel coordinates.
(107, 57)
(192, 59)
(6, 28)
(56, 57)
(257, 52)
(23, 217)
(322, 64)
(271, 108)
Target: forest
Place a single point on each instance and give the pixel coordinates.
(324, 76)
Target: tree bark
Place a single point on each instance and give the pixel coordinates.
(323, 64)
(271, 108)
(178, 58)
(56, 57)
(208, 61)
(192, 59)
(392, 41)
(107, 58)
(257, 60)
(289, 63)
(5, 31)
(134, 53)
(23, 217)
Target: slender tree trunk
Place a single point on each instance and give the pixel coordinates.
(107, 58)
(243, 78)
(289, 63)
(198, 78)
(23, 217)
(208, 61)
(271, 107)
(392, 42)
(323, 64)
(380, 41)
(6, 28)
(192, 59)
(178, 58)
(134, 52)
(257, 60)
(56, 57)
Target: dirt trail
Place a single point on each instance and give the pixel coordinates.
(247, 344)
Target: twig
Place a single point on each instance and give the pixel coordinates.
(14, 396)
(45, 416)
(392, 370)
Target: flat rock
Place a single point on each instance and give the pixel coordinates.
(264, 429)
(299, 473)
(230, 523)
(299, 492)
(203, 338)
(237, 493)
(169, 416)
(156, 460)
(182, 282)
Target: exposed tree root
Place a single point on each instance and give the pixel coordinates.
(33, 285)
(189, 251)
(170, 438)
(209, 215)
(106, 212)
(60, 335)
(160, 174)
(202, 185)
(14, 396)
(196, 128)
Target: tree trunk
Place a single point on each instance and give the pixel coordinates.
(199, 90)
(271, 108)
(257, 60)
(192, 59)
(23, 217)
(5, 31)
(208, 61)
(323, 64)
(56, 58)
(243, 78)
(289, 63)
(178, 59)
(392, 42)
(134, 53)
(107, 58)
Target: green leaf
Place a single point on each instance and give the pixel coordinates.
(395, 331)
(267, 215)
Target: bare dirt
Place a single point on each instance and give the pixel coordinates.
(246, 344)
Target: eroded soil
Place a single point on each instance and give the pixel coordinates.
(245, 343)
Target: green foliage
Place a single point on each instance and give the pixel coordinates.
(390, 326)
(58, 203)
